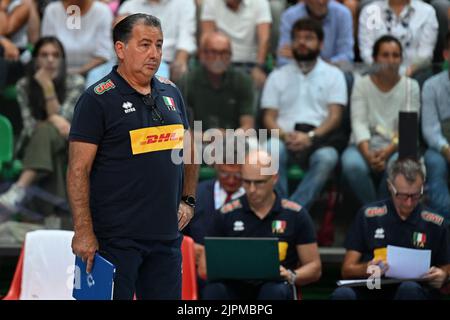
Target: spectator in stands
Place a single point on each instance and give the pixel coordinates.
(179, 28)
(375, 104)
(337, 25)
(247, 24)
(436, 131)
(14, 17)
(304, 100)
(219, 95)
(46, 96)
(19, 26)
(399, 221)
(264, 213)
(413, 22)
(86, 38)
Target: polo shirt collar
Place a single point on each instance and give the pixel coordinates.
(276, 208)
(413, 217)
(124, 87)
(317, 66)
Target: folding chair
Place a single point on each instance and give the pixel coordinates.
(189, 272)
(45, 267)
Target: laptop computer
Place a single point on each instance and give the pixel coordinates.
(97, 285)
(235, 258)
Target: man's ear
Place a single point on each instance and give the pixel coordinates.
(119, 47)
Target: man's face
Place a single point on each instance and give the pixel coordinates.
(305, 46)
(142, 54)
(258, 187)
(389, 57)
(229, 176)
(319, 8)
(405, 195)
(216, 55)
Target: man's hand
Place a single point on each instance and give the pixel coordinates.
(287, 275)
(259, 77)
(11, 51)
(177, 69)
(285, 51)
(297, 141)
(380, 263)
(85, 245)
(185, 214)
(436, 277)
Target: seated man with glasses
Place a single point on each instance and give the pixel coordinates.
(212, 195)
(262, 213)
(220, 96)
(400, 221)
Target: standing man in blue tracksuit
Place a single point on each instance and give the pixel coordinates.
(129, 199)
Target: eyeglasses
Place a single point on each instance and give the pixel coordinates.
(220, 53)
(257, 183)
(405, 196)
(227, 175)
(156, 114)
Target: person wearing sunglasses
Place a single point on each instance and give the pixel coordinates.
(402, 221)
(130, 195)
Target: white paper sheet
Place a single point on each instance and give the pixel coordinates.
(407, 263)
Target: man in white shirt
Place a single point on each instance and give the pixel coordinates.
(304, 100)
(247, 23)
(179, 27)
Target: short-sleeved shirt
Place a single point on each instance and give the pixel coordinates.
(378, 225)
(240, 26)
(337, 26)
(288, 221)
(219, 107)
(135, 186)
(178, 22)
(301, 98)
(91, 38)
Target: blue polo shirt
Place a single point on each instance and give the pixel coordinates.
(135, 187)
(287, 221)
(378, 225)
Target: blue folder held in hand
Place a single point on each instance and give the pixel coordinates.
(97, 285)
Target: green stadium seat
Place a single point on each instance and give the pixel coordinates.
(207, 173)
(9, 168)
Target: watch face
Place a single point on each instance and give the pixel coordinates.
(189, 200)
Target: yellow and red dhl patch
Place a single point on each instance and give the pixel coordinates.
(104, 86)
(157, 138)
(375, 211)
(432, 217)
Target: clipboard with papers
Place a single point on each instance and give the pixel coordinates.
(97, 285)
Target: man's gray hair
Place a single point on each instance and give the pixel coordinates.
(409, 168)
(122, 30)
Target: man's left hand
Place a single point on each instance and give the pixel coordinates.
(436, 277)
(259, 77)
(185, 214)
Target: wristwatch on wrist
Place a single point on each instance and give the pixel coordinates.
(292, 276)
(312, 135)
(189, 200)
